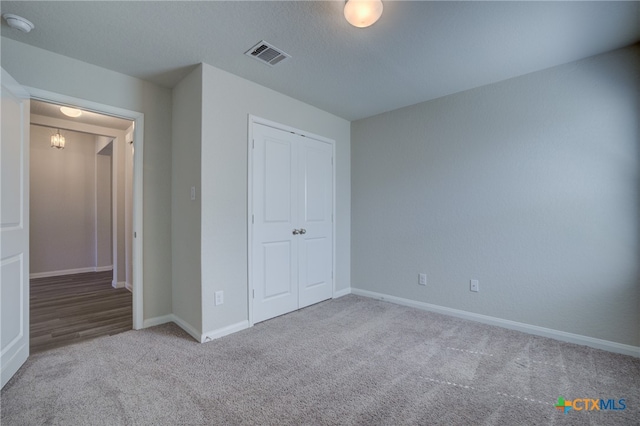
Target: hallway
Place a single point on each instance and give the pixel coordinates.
(71, 308)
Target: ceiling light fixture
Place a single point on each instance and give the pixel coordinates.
(362, 13)
(57, 140)
(71, 112)
(18, 22)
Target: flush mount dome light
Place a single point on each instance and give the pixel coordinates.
(363, 13)
(18, 22)
(71, 112)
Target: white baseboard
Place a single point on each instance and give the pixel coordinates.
(224, 331)
(118, 284)
(128, 286)
(513, 325)
(152, 322)
(188, 328)
(341, 293)
(193, 332)
(70, 271)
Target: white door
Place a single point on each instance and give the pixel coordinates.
(292, 247)
(275, 207)
(315, 186)
(14, 228)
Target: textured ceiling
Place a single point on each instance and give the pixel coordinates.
(417, 50)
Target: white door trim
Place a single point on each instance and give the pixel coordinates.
(138, 145)
(252, 119)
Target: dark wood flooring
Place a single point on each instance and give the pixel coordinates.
(72, 308)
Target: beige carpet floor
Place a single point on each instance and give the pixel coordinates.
(352, 361)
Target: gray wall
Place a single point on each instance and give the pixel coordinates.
(185, 213)
(227, 100)
(45, 70)
(63, 218)
(530, 185)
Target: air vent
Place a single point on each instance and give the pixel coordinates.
(266, 53)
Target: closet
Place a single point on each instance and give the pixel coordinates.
(291, 260)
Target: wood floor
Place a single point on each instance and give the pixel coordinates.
(72, 308)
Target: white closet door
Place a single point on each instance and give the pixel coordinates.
(315, 183)
(292, 247)
(14, 228)
(275, 209)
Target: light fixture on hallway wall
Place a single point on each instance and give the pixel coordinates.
(363, 13)
(57, 140)
(71, 112)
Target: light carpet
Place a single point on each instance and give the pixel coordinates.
(353, 360)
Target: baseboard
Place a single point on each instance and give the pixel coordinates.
(224, 331)
(118, 284)
(512, 325)
(70, 271)
(187, 327)
(191, 330)
(152, 322)
(129, 287)
(342, 292)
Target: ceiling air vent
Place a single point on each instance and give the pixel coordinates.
(266, 53)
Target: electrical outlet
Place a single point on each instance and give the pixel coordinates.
(475, 285)
(422, 279)
(219, 297)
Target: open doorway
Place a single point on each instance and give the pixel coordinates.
(81, 242)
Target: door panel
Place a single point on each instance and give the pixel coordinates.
(274, 248)
(316, 193)
(277, 264)
(14, 228)
(277, 181)
(12, 290)
(317, 184)
(316, 254)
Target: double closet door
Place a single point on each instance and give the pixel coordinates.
(292, 222)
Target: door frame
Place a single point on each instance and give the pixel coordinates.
(252, 120)
(138, 193)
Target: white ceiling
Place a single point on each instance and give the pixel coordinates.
(417, 50)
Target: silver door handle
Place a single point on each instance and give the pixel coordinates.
(303, 231)
(296, 232)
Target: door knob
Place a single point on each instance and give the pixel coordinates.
(303, 231)
(296, 232)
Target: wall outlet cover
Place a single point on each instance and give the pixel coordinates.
(422, 279)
